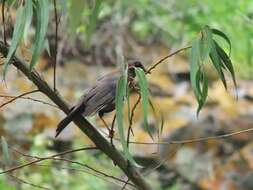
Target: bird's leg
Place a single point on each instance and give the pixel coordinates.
(102, 119)
(111, 131)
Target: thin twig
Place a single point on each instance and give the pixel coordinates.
(17, 97)
(88, 172)
(3, 20)
(46, 158)
(25, 182)
(125, 184)
(131, 119)
(55, 43)
(166, 57)
(29, 98)
(71, 161)
(197, 139)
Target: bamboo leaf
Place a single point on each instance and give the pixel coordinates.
(203, 87)
(216, 60)
(224, 36)
(28, 18)
(194, 66)
(16, 38)
(75, 15)
(144, 97)
(5, 151)
(206, 42)
(120, 95)
(93, 20)
(42, 14)
(227, 62)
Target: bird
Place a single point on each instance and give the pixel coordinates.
(100, 98)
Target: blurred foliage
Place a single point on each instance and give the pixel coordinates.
(4, 185)
(175, 22)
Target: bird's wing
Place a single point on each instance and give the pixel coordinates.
(102, 95)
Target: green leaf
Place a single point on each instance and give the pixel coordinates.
(206, 42)
(224, 36)
(120, 95)
(5, 151)
(203, 89)
(46, 46)
(194, 66)
(42, 14)
(216, 60)
(227, 62)
(75, 16)
(93, 20)
(28, 18)
(16, 38)
(144, 97)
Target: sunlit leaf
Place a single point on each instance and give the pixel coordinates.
(42, 14)
(224, 36)
(144, 97)
(5, 151)
(16, 38)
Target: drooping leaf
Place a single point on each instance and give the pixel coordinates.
(206, 42)
(16, 38)
(216, 60)
(5, 151)
(194, 66)
(28, 18)
(75, 16)
(120, 95)
(224, 36)
(93, 20)
(227, 62)
(203, 89)
(144, 97)
(42, 15)
(46, 46)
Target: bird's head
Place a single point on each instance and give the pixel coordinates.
(135, 64)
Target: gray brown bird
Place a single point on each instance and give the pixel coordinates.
(100, 98)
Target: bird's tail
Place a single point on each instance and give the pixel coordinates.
(64, 123)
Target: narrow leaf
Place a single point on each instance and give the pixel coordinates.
(5, 151)
(28, 18)
(194, 66)
(93, 20)
(144, 97)
(16, 38)
(42, 13)
(203, 81)
(216, 60)
(120, 95)
(224, 36)
(206, 42)
(227, 62)
(75, 15)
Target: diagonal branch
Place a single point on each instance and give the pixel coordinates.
(101, 143)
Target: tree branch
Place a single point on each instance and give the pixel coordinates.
(101, 143)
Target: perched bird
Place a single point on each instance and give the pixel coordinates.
(100, 98)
